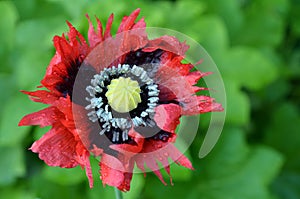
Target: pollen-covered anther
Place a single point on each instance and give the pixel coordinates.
(123, 94)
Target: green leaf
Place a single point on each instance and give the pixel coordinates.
(7, 86)
(39, 9)
(8, 21)
(233, 164)
(35, 49)
(230, 11)
(17, 192)
(156, 17)
(137, 185)
(287, 185)
(238, 104)
(295, 15)
(18, 106)
(46, 189)
(64, 176)
(248, 67)
(39, 132)
(195, 10)
(229, 155)
(37, 34)
(11, 164)
(106, 192)
(264, 23)
(30, 68)
(283, 133)
(209, 31)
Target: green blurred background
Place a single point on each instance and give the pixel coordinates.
(256, 45)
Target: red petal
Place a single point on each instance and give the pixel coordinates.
(45, 117)
(94, 37)
(111, 171)
(77, 40)
(107, 33)
(203, 104)
(128, 22)
(176, 83)
(165, 94)
(65, 50)
(116, 172)
(64, 105)
(84, 161)
(167, 116)
(128, 149)
(157, 151)
(169, 44)
(173, 61)
(125, 186)
(42, 96)
(140, 24)
(193, 77)
(57, 148)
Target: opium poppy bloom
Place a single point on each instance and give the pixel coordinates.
(118, 98)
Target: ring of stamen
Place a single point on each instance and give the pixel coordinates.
(100, 102)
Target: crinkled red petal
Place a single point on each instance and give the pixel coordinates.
(111, 170)
(175, 83)
(125, 186)
(45, 117)
(116, 171)
(68, 53)
(167, 116)
(94, 37)
(128, 23)
(193, 77)
(64, 105)
(129, 149)
(165, 94)
(204, 104)
(107, 32)
(168, 44)
(42, 96)
(76, 40)
(57, 148)
(83, 158)
(65, 50)
(83, 126)
(173, 61)
(157, 151)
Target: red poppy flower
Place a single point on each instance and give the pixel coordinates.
(119, 98)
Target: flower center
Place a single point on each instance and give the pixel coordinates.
(123, 94)
(122, 98)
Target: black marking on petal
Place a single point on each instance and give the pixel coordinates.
(162, 136)
(140, 58)
(65, 87)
